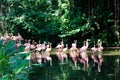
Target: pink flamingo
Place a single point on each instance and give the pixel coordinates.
(64, 52)
(82, 49)
(19, 37)
(47, 55)
(33, 57)
(62, 44)
(87, 59)
(38, 47)
(43, 47)
(93, 56)
(15, 38)
(100, 49)
(18, 44)
(33, 45)
(27, 46)
(83, 53)
(39, 57)
(36, 56)
(7, 37)
(59, 53)
(74, 53)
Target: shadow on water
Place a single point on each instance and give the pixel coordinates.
(66, 71)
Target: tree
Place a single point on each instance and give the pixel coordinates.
(62, 19)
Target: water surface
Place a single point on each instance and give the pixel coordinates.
(66, 71)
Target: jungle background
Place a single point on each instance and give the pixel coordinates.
(53, 20)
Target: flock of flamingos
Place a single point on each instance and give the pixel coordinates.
(41, 51)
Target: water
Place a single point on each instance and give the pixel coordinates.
(110, 70)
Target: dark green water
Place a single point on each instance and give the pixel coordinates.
(110, 70)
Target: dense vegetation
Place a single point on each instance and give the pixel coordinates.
(53, 20)
(14, 63)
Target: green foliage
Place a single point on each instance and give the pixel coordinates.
(61, 19)
(13, 63)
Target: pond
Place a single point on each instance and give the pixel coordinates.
(67, 71)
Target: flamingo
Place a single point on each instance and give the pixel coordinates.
(7, 37)
(33, 46)
(74, 53)
(60, 48)
(38, 47)
(18, 44)
(66, 48)
(43, 47)
(83, 53)
(19, 37)
(64, 52)
(59, 53)
(47, 56)
(1, 37)
(34, 57)
(39, 57)
(62, 44)
(27, 46)
(100, 49)
(94, 50)
(83, 48)
(14, 38)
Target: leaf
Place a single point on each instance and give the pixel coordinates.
(1, 60)
(70, 33)
(23, 53)
(14, 61)
(110, 20)
(21, 66)
(1, 43)
(21, 48)
(10, 49)
(28, 56)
